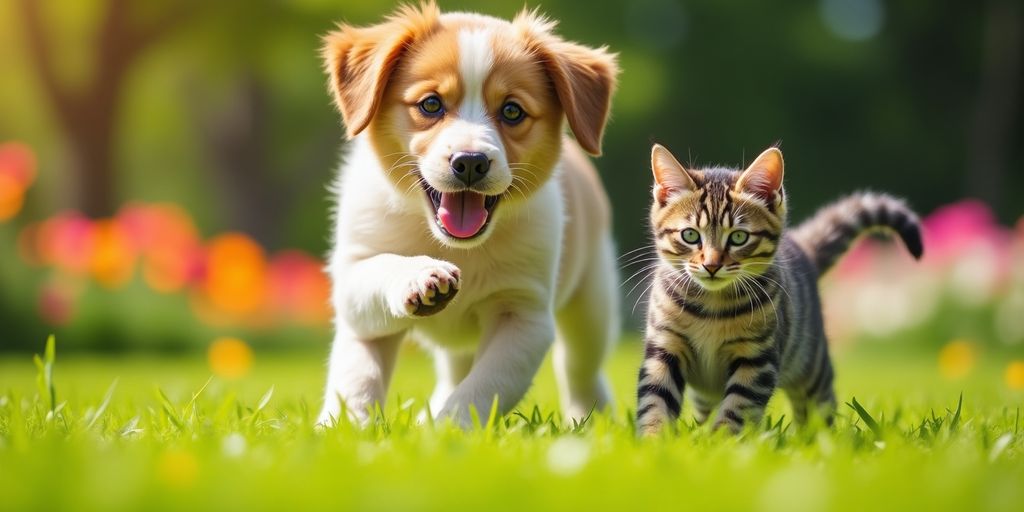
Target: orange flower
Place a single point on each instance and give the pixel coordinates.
(1015, 375)
(957, 359)
(230, 358)
(12, 197)
(236, 271)
(113, 258)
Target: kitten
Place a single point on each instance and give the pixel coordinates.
(734, 309)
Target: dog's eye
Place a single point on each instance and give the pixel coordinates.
(512, 113)
(691, 236)
(739, 237)
(432, 106)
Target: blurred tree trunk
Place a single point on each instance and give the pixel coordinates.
(88, 115)
(237, 136)
(998, 99)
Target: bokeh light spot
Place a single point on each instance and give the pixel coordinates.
(230, 358)
(1015, 375)
(177, 469)
(853, 20)
(957, 359)
(57, 301)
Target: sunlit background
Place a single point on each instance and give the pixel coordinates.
(164, 165)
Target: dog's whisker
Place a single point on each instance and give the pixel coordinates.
(524, 180)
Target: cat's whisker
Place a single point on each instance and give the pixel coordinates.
(647, 277)
(637, 273)
(765, 277)
(640, 297)
(638, 249)
(644, 261)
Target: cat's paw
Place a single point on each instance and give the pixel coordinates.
(432, 286)
(732, 426)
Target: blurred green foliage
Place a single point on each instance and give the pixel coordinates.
(715, 81)
(225, 109)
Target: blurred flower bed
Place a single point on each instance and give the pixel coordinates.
(968, 286)
(145, 276)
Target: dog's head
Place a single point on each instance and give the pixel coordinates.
(466, 111)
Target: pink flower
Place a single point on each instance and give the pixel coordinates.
(952, 229)
(299, 289)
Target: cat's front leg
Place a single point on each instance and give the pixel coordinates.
(661, 381)
(752, 374)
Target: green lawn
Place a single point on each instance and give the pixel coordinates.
(140, 451)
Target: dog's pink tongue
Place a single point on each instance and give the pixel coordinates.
(462, 214)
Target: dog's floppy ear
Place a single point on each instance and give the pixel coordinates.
(584, 79)
(359, 60)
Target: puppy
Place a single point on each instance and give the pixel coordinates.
(466, 218)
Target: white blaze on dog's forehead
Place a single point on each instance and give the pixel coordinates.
(475, 60)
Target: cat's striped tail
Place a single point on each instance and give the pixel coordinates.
(829, 233)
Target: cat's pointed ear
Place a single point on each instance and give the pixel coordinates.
(764, 176)
(670, 177)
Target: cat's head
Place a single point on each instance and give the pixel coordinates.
(718, 225)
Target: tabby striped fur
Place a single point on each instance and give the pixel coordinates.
(731, 322)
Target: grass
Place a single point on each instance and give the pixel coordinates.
(131, 433)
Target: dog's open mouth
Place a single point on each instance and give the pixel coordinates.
(462, 214)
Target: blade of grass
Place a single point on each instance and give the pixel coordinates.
(44, 377)
(185, 411)
(492, 418)
(261, 405)
(954, 423)
(103, 405)
(866, 417)
(168, 408)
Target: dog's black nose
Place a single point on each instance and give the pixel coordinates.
(469, 167)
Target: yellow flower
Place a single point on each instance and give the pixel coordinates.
(177, 469)
(957, 359)
(230, 358)
(1015, 375)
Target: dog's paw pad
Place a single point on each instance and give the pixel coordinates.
(432, 290)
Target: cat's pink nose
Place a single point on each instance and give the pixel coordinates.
(712, 267)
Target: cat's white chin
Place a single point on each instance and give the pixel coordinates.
(713, 284)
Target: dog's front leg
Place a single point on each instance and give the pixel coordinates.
(383, 294)
(511, 353)
(376, 300)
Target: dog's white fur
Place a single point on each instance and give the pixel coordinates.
(544, 264)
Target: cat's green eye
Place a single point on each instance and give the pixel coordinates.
(691, 236)
(739, 237)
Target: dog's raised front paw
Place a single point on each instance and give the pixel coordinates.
(431, 289)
